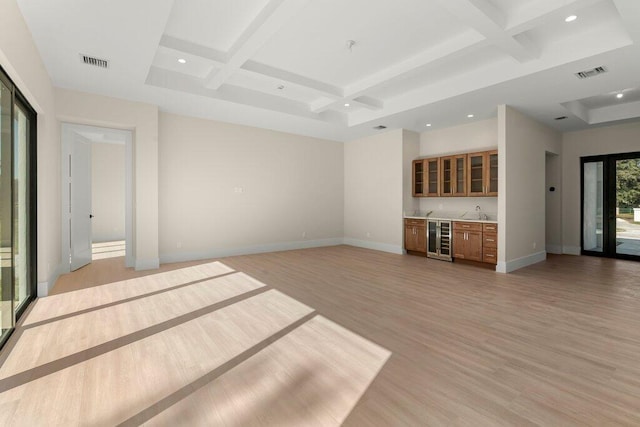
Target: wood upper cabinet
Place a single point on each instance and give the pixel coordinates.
(482, 174)
(454, 172)
(467, 240)
(432, 174)
(418, 178)
(426, 178)
(457, 175)
(415, 235)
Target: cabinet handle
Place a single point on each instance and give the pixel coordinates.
(490, 240)
(465, 226)
(490, 256)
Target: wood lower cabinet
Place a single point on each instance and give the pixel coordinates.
(475, 241)
(490, 243)
(415, 235)
(467, 241)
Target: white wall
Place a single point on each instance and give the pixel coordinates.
(472, 137)
(623, 138)
(523, 144)
(373, 191)
(553, 200)
(228, 189)
(410, 151)
(96, 110)
(107, 191)
(20, 59)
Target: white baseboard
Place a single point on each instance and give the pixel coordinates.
(147, 264)
(45, 287)
(258, 249)
(554, 249)
(518, 263)
(572, 250)
(376, 246)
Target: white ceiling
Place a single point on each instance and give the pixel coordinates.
(285, 64)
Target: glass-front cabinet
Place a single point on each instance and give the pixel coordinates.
(458, 175)
(482, 174)
(426, 177)
(418, 178)
(433, 177)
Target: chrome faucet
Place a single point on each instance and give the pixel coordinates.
(478, 210)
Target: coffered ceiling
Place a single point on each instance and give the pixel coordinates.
(336, 68)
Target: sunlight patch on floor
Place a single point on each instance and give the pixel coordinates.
(201, 345)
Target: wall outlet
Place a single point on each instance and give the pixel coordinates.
(304, 234)
(440, 206)
(534, 245)
(368, 234)
(238, 190)
(178, 245)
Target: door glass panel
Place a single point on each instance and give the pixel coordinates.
(418, 178)
(433, 176)
(6, 311)
(20, 208)
(628, 206)
(476, 171)
(493, 173)
(460, 179)
(593, 207)
(446, 176)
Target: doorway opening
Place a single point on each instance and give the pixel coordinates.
(96, 194)
(611, 205)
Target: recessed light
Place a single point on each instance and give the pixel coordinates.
(428, 125)
(346, 105)
(570, 18)
(469, 115)
(620, 95)
(182, 61)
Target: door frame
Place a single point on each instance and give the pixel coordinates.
(609, 204)
(68, 129)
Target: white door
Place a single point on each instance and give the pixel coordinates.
(80, 189)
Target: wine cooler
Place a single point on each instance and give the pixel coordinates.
(439, 239)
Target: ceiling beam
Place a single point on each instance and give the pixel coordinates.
(449, 49)
(537, 13)
(271, 19)
(367, 102)
(217, 57)
(486, 19)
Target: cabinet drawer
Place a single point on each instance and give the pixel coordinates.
(491, 228)
(490, 255)
(417, 222)
(467, 226)
(489, 240)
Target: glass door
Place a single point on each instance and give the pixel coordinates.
(611, 205)
(17, 205)
(627, 228)
(6, 235)
(593, 206)
(21, 208)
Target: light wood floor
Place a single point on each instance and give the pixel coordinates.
(557, 343)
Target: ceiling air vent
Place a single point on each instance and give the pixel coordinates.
(96, 62)
(560, 118)
(591, 73)
(379, 127)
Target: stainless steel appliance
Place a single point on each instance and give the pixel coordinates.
(439, 239)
